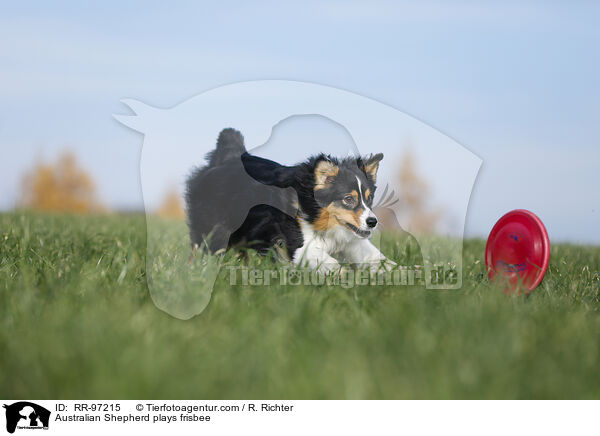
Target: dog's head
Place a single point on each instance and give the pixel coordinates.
(343, 192)
(331, 193)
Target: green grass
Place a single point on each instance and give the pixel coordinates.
(77, 321)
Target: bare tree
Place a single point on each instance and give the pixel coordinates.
(411, 201)
(414, 197)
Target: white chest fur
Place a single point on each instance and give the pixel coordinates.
(321, 250)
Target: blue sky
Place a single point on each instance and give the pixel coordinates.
(518, 83)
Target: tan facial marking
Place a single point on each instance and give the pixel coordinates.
(367, 193)
(324, 221)
(332, 216)
(325, 172)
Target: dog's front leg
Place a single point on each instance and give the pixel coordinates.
(314, 255)
(366, 254)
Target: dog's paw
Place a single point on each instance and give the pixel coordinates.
(327, 267)
(389, 265)
(381, 266)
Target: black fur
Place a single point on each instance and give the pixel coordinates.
(241, 200)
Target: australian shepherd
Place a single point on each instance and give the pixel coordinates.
(317, 213)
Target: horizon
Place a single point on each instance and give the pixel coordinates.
(516, 84)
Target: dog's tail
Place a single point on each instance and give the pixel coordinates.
(230, 145)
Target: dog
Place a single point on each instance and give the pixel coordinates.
(317, 213)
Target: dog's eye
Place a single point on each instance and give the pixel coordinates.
(349, 200)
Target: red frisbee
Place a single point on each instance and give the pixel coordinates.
(518, 250)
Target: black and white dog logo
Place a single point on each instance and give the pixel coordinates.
(26, 415)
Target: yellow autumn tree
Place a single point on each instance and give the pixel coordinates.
(171, 206)
(62, 186)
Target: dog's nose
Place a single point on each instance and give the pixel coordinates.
(371, 221)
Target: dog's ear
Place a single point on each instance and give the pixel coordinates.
(370, 165)
(325, 173)
(268, 172)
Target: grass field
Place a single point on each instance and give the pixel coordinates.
(77, 322)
